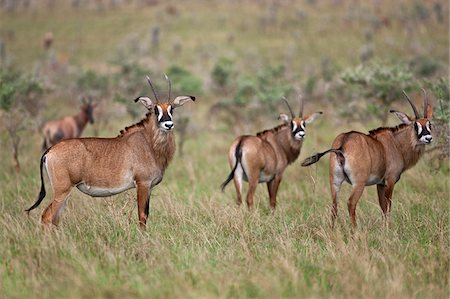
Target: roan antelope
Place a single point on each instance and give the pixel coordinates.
(103, 167)
(264, 157)
(70, 126)
(378, 158)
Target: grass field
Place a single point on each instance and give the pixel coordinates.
(198, 243)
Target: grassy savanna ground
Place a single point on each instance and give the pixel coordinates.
(198, 243)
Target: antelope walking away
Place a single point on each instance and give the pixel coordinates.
(264, 157)
(100, 167)
(378, 158)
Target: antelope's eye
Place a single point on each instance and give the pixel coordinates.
(418, 127)
(293, 126)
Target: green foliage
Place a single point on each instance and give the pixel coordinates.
(246, 90)
(425, 66)
(441, 91)
(183, 81)
(92, 81)
(421, 11)
(131, 80)
(7, 91)
(267, 87)
(222, 71)
(382, 83)
(132, 109)
(18, 89)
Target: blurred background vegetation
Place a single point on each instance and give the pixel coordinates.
(350, 59)
(342, 54)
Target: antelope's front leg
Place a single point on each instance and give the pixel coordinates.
(143, 199)
(389, 189)
(272, 187)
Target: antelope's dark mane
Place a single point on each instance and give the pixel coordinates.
(136, 125)
(273, 130)
(384, 129)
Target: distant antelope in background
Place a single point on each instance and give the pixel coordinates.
(264, 157)
(378, 158)
(70, 126)
(100, 167)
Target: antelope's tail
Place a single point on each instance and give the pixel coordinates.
(238, 156)
(316, 157)
(42, 192)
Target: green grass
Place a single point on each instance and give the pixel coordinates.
(198, 243)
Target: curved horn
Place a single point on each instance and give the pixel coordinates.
(425, 102)
(289, 106)
(300, 114)
(416, 114)
(170, 85)
(153, 89)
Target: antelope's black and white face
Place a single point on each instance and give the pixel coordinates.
(422, 125)
(298, 128)
(423, 130)
(163, 113)
(298, 124)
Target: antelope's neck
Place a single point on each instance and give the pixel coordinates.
(407, 144)
(162, 144)
(81, 120)
(291, 147)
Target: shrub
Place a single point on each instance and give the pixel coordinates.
(19, 100)
(222, 71)
(92, 81)
(266, 88)
(380, 83)
(184, 82)
(424, 66)
(440, 151)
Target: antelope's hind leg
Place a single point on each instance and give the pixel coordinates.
(237, 180)
(252, 184)
(52, 213)
(337, 177)
(357, 191)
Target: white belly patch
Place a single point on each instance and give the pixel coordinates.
(264, 178)
(372, 180)
(103, 191)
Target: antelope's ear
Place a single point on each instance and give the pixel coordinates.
(402, 117)
(284, 118)
(429, 113)
(312, 117)
(181, 100)
(146, 101)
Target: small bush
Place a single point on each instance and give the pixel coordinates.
(267, 88)
(440, 152)
(184, 82)
(19, 101)
(380, 83)
(222, 71)
(132, 109)
(425, 66)
(92, 81)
